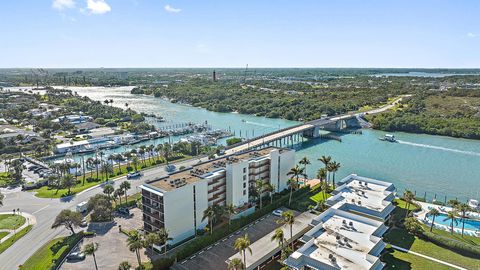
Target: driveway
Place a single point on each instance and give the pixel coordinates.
(112, 245)
(214, 256)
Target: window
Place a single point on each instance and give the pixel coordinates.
(244, 170)
(244, 178)
(244, 185)
(244, 192)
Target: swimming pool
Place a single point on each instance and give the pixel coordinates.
(470, 224)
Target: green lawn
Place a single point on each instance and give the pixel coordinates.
(406, 261)
(14, 238)
(48, 254)
(312, 198)
(50, 192)
(10, 222)
(3, 234)
(319, 197)
(400, 237)
(4, 179)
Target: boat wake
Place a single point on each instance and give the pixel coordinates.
(440, 148)
(259, 124)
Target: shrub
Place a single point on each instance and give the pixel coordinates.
(452, 244)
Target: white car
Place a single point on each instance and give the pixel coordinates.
(277, 212)
(133, 175)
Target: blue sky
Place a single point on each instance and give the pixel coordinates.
(197, 33)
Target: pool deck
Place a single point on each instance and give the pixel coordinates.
(422, 217)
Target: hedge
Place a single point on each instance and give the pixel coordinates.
(452, 244)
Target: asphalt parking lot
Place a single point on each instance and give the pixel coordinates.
(112, 245)
(214, 256)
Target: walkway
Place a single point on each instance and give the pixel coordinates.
(428, 257)
(29, 220)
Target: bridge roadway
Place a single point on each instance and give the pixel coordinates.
(279, 134)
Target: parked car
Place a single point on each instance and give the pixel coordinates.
(124, 211)
(76, 256)
(82, 207)
(277, 212)
(170, 168)
(84, 223)
(134, 174)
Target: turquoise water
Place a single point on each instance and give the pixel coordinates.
(470, 224)
(423, 163)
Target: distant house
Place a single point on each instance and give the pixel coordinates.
(73, 119)
(10, 132)
(85, 127)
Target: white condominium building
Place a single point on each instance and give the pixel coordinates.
(176, 202)
(340, 240)
(364, 196)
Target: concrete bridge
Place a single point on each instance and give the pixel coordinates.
(311, 129)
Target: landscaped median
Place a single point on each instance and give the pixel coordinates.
(51, 255)
(91, 178)
(12, 227)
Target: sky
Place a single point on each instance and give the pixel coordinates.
(234, 33)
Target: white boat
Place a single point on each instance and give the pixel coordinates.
(388, 138)
(473, 204)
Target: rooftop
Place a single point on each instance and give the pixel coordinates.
(342, 240)
(206, 169)
(372, 195)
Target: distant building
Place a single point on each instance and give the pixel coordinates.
(176, 202)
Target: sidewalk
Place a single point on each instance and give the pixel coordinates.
(29, 220)
(428, 257)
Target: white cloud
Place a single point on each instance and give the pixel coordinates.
(98, 6)
(171, 9)
(471, 35)
(63, 4)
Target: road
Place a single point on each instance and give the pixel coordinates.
(306, 126)
(45, 211)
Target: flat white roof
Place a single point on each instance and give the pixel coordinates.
(373, 196)
(341, 240)
(72, 144)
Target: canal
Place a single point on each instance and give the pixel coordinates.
(423, 163)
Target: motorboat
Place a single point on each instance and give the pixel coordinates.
(473, 204)
(388, 138)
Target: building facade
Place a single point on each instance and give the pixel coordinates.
(177, 202)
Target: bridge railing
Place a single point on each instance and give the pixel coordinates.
(262, 136)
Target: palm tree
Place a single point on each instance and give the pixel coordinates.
(108, 190)
(279, 237)
(118, 159)
(259, 188)
(408, 198)
(1, 198)
(135, 162)
(124, 266)
(334, 167)
(322, 175)
(463, 208)
(68, 181)
(210, 214)
(141, 152)
(125, 185)
(150, 149)
(235, 264)
(158, 150)
(229, 210)
(242, 244)
(433, 213)
(296, 172)
(292, 184)
(90, 162)
(267, 187)
(305, 161)
(135, 243)
(90, 249)
(288, 219)
(325, 160)
(451, 216)
(167, 148)
(107, 169)
(164, 238)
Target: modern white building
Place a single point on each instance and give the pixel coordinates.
(364, 196)
(340, 240)
(176, 202)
